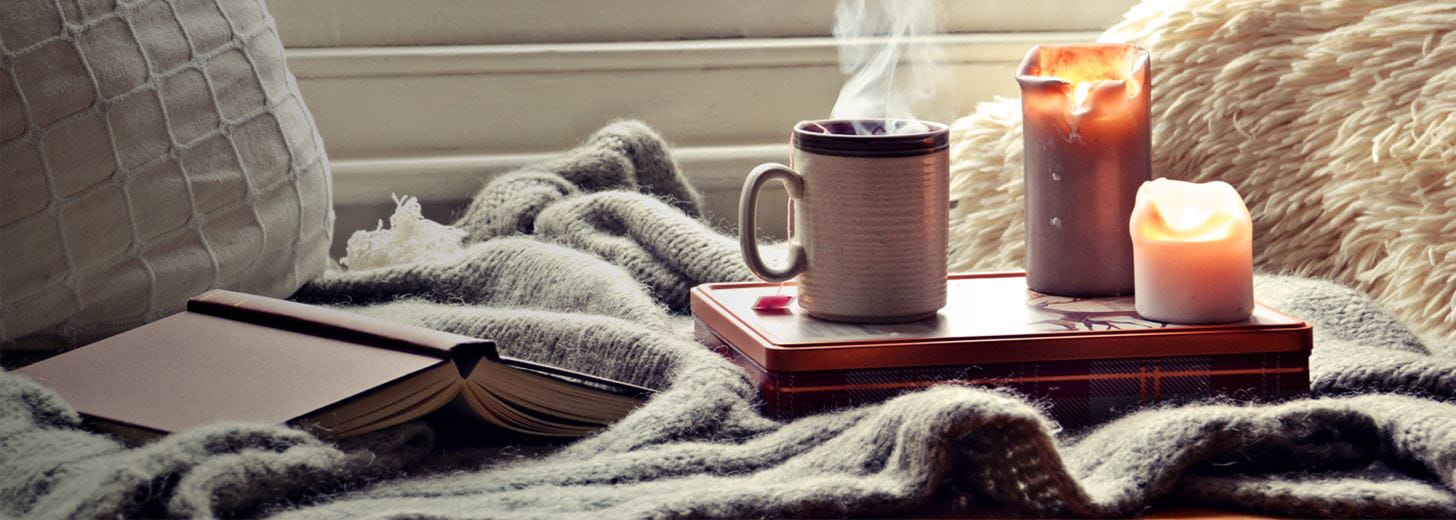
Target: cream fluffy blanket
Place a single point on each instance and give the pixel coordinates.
(1336, 120)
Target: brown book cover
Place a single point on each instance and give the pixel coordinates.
(1091, 359)
(245, 358)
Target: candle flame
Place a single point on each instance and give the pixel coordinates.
(1083, 71)
(1187, 218)
(1189, 223)
(1188, 212)
(1080, 92)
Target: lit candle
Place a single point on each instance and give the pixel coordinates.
(1085, 121)
(1193, 253)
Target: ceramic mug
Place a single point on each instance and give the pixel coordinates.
(869, 219)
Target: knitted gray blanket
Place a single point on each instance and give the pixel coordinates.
(586, 261)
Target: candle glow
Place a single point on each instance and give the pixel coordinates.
(1192, 252)
(1190, 212)
(1079, 72)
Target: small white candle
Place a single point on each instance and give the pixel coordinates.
(1193, 253)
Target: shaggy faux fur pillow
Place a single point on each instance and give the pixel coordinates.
(149, 151)
(1335, 120)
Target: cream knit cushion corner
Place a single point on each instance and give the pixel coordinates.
(149, 151)
(1335, 120)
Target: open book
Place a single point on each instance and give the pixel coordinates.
(240, 357)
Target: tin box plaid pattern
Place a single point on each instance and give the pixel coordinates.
(1074, 392)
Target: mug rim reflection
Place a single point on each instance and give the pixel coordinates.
(827, 139)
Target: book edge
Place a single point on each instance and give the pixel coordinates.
(363, 330)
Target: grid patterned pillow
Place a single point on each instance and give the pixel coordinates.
(149, 150)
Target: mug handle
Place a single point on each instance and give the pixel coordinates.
(748, 204)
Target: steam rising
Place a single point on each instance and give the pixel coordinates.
(886, 49)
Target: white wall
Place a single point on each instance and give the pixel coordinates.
(433, 97)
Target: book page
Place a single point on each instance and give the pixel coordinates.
(537, 403)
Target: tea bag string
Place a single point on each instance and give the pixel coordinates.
(789, 232)
(777, 302)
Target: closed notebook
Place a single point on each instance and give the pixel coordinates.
(239, 357)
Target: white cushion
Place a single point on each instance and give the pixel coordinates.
(149, 151)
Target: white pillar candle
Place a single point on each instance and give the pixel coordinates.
(1193, 253)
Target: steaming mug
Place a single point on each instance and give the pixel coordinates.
(869, 219)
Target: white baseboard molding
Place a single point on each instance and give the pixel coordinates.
(362, 188)
(457, 177)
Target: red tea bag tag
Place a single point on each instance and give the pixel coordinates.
(773, 302)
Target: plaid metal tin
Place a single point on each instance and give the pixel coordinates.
(1074, 392)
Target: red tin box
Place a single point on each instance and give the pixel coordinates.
(1089, 360)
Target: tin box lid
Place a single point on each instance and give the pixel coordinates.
(988, 318)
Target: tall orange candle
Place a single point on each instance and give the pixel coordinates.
(1085, 124)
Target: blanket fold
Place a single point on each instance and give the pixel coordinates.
(583, 261)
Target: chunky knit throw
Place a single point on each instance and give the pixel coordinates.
(584, 262)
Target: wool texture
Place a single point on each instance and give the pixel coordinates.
(1334, 120)
(572, 273)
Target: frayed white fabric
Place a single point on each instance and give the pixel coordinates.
(149, 151)
(410, 238)
(1335, 120)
